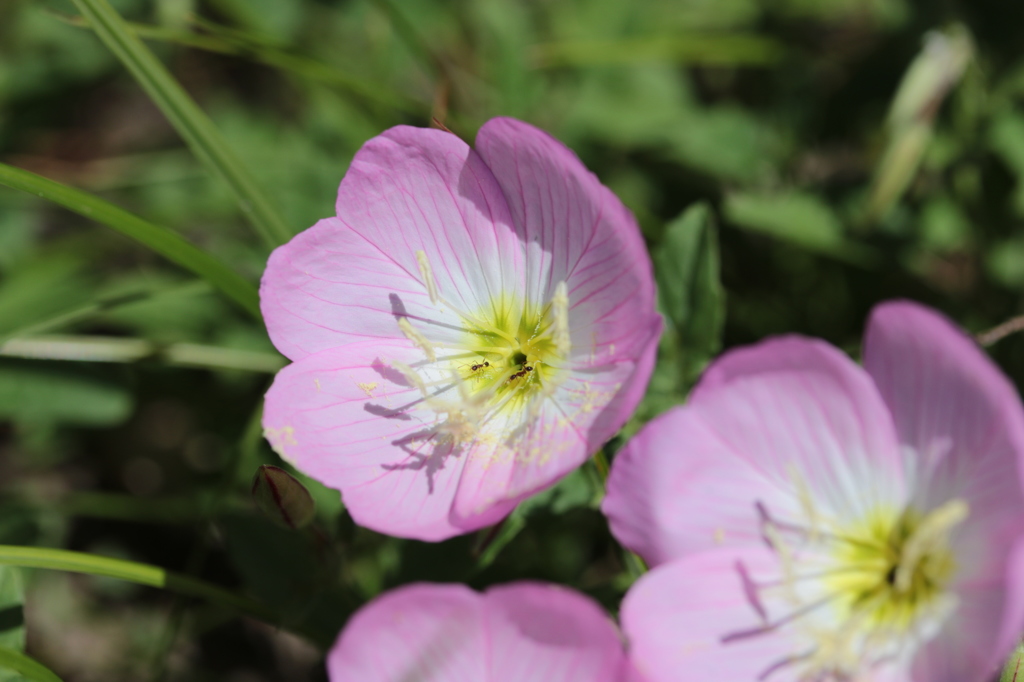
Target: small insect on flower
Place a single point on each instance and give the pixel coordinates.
(469, 328)
(810, 520)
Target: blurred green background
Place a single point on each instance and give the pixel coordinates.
(832, 153)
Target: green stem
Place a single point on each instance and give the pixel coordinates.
(188, 119)
(168, 244)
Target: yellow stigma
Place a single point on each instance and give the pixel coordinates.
(510, 356)
(925, 552)
(901, 565)
(876, 584)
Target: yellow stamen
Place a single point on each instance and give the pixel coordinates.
(428, 277)
(411, 376)
(417, 338)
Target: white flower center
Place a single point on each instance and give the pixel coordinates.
(858, 595)
(504, 361)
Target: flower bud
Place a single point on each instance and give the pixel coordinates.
(282, 498)
(910, 126)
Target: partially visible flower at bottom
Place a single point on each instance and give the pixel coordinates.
(522, 632)
(812, 520)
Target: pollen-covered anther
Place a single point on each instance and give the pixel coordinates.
(411, 376)
(428, 277)
(417, 338)
(464, 416)
(560, 311)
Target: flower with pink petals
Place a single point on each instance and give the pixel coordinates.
(470, 328)
(809, 519)
(523, 632)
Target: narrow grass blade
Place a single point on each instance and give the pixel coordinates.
(28, 667)
(120, 349)
(298, 65)
(161, 240)
(100, 305)
(132, 571)
(185, 115)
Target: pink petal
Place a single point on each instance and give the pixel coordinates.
(412, 189)
(546, 632)
(981, 633)
(421, 632)
(684, 620)
(963, 423)
(523, 632)
(574, 230)
(346, 418)
(780, 423)
(675, 488)
(329, 286)
(793, 406)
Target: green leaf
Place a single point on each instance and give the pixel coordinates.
(216, 38)
(1014, 669)
(799, 218)
(686, 266)
(34, 394)
(12, 617)
(132, 571)
(168, 244)
(722, 49)
(187, 118)
(1006, 139)
(127, 302)
(1005, 262)
(29, 668)
(39, 289)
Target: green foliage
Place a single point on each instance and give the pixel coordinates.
(12, 625)
(31, 393)
(803, 159)
(690, 289)
(16, 666)
(803, 219)
(581, 488)
(164, 242)
(187, 118)
(1014, 669)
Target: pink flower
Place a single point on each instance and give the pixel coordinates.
(523, 632)
(813, 520)
(470, 328)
